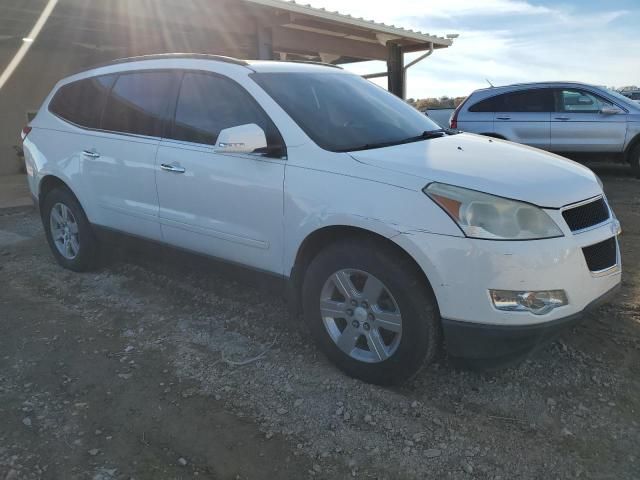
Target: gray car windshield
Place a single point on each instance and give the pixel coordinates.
(344, 113)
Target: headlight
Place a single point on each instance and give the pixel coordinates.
(480, 215)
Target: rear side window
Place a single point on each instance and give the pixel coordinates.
(538, 100)
(483, 106)
(82, 102)
(207, 104)
(138, 103)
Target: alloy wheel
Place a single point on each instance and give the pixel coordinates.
(360, 315)
(64, 231)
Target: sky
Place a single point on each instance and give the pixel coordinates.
(509, 41)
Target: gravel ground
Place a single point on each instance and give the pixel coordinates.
(165, 366)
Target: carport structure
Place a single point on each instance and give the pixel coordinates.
(81, 33)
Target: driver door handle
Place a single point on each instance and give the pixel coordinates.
(90, 153)
(172, 168)
(503, 118)
(562, 118)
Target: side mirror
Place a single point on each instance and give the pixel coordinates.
(612, 110)
(249, 138)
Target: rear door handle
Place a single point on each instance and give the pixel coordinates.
(503, 118)
(90, 153)
(172, 168)
(562, 118)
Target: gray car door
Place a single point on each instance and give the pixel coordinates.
(524, 116)
(578, 125)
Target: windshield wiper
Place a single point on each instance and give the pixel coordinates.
(426, 135)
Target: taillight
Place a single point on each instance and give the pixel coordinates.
(453, 121)
(25, 131)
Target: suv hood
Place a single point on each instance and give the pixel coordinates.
(492, 166)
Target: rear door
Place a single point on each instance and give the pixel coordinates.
(579, 126)
(118, 161)
(524, 116)
(226, 205)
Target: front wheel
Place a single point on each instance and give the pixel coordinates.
(370, 311)
(634, 159)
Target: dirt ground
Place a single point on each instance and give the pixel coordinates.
(161, 366)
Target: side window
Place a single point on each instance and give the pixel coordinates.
(207, 104)
(484, 106)
(138, 103)
(531, 101)
(579, 101)
(82, 102)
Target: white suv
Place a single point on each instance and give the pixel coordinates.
(393, 235)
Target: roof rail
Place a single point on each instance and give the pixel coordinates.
(160, 56)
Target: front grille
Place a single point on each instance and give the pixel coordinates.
(586, 215)
(602, 255)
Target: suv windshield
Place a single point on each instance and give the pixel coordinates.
(342, 112)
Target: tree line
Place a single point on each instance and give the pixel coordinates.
(423, 104)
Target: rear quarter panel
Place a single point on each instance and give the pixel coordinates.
(51, 152)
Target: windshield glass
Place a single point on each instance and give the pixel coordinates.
(344, 112)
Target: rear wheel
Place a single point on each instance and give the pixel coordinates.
(68, 231)
(370, 312)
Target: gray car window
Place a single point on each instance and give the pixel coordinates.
(533, 100)
(580, 101)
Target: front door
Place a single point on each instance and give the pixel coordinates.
(225, 205)
(579, 126)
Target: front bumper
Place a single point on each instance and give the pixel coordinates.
(461, 272)
(493, 345)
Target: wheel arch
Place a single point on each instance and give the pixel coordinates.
(635, 141)
(50, 182)
(319, 239)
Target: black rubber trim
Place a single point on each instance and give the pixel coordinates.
(493, 346)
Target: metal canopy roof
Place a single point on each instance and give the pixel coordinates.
(225, 27)
(348, 27)
(85, 32)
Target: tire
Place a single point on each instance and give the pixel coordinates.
(83, 253)
(634, 160)
(405, 292)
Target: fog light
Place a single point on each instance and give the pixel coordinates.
(537, 303)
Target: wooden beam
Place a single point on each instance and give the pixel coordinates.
(395, 67)
(418, 47)
(264, 37)
(335, 29)
(311, 43)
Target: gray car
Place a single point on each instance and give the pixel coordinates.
(562, 117)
